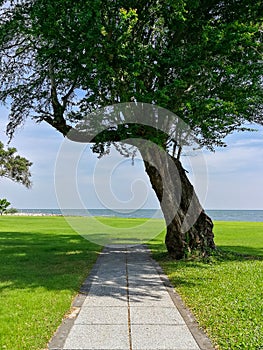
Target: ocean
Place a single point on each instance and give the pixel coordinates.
(220, 215)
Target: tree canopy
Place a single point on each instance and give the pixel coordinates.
(200, 59)
(14, 167)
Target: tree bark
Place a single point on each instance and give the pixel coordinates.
(189, 228)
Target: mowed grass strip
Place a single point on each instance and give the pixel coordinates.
(225, 293)
(42, 265)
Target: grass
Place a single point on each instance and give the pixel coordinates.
(107, 230)
(43, 262)
(225, 293)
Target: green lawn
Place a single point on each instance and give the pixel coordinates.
(43, 262)
(107, 230)
(226, 292)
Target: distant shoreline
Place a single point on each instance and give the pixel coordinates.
(32, 214)
(216, 215)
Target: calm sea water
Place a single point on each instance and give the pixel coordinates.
(221, 215)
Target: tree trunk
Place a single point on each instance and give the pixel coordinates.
(189, 229)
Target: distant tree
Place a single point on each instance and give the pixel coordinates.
(11, 211)
(200, 59)
(14, 167)
(4, 204)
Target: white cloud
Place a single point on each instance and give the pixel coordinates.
(239, 155)
(235, 173)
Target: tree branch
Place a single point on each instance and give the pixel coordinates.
(70, 91)
(54, 97)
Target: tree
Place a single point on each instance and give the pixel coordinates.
(199, 59)
(4, 204)
(14, 167)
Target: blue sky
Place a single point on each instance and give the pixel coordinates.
(234, 174)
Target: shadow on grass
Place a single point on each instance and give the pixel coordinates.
(243, 252)
(35, 259)
(196, 271)
(31, 260)
(222, 253)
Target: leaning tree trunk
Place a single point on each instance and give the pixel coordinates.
(188, 226)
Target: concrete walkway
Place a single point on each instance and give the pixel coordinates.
(128, 304)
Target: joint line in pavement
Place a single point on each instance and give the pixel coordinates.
(128, 300)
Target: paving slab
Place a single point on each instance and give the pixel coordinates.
(108, 290)
(128, 304)
(161, 299)
(162, 337)
(116, 300)
(94, 337)
(155, 315)
(103, 315)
